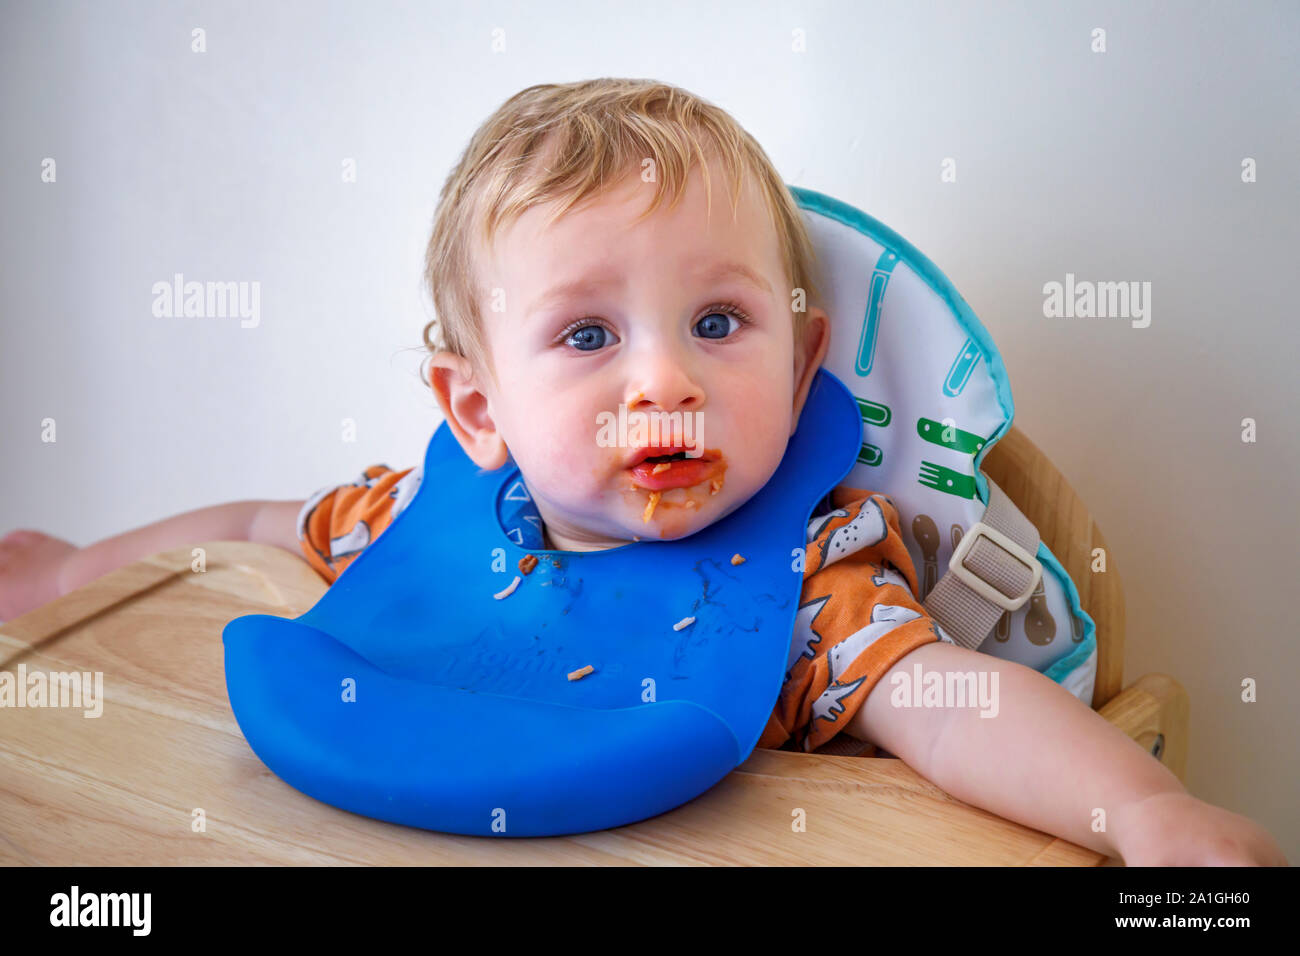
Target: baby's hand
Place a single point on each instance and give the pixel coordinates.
(29, 571)
(1176, 829)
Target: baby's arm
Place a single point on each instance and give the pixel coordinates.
(263, 522)
(1049, 762)
(36, 569)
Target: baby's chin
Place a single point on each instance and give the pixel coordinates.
(672, 514)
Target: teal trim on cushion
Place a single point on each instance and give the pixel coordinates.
(916, 260)
(1062, 668)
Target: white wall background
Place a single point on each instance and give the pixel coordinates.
(1123, 165)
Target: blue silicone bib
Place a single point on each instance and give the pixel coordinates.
(409, 693)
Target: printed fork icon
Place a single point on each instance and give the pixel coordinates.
(946, 480)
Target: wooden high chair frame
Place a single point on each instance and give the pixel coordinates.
(167, 741)
(1153, 710)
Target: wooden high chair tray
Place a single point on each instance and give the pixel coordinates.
(124, 788)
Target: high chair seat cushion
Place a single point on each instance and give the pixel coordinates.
(934, 398)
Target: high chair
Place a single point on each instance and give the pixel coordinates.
(169, 740)
(1152, 710)
(896, 320)
(911, 398)
(167, 745)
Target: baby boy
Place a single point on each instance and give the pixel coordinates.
(582, 263)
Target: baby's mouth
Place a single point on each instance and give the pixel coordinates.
(674, 469)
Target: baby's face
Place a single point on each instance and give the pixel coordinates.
(594, 320)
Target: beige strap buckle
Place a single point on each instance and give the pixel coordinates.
(978, 584)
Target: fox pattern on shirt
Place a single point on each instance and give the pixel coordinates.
(858, 613)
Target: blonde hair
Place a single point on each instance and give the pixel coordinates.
(564, 142)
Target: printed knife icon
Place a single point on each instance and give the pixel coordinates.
(871, 323)
(949, 436)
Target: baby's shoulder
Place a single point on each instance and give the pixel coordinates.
(856, 526)
(339, 521)
(845, 505)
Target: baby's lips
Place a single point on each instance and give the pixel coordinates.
(693, 453)
(683, 473)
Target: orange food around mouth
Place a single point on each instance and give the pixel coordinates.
(683, 473)
(695, 493)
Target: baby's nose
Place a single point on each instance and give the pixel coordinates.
(669, 388)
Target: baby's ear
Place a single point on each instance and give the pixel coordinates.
(809, 354)
(467, 410)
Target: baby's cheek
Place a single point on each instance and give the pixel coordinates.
(763, 444)
(551, 461)
(569, 468)
(764, 409)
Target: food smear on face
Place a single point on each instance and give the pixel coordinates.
(671, 491)
(667, 468)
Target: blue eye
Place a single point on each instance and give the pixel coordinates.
(587, 338)
(716, 325)
(591, 335)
